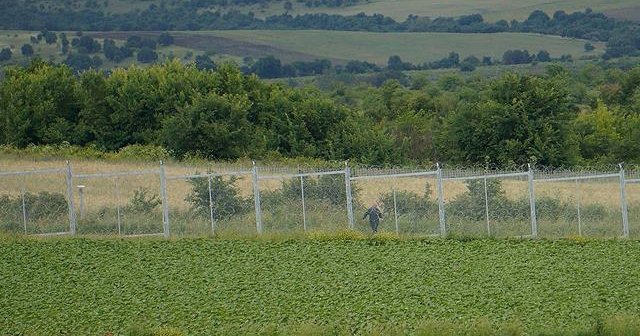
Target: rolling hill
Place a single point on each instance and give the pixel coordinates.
(341, 47)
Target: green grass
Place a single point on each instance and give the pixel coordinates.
(338, 46)
(413, 47)
(205, 286)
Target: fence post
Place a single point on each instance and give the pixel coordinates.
(211, 217)
(24, 205)
(443, 227)
(578, 208)
(256, 198)
(70, 204)
(395, 209)
(532, 204)
(304, 208)
(486, 206)
(165, 201)
(623, 201)
(118, 219)
(347, 182)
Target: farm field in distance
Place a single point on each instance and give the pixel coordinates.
(327, 285)
(342, 46)
(308, 45)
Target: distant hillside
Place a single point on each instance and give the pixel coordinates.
(492, 10)
(375, 47)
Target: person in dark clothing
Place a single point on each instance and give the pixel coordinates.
(375, 216)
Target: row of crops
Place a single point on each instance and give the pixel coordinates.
(336, 284)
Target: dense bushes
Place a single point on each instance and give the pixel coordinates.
(171, 109)
(225, 198)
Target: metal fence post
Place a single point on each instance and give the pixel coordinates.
(256, 198)
(623, 201)
(532, 204)
(118, 214)
(24, 205)
(304, 209)
(395, 210)
(443, 227)
(486, 206)
(578, 208)
(165, 201)
(347, 181)
(71, 206)
(211, 217)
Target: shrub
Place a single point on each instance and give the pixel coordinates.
(410, 203)
(226, 200)
(143, 202)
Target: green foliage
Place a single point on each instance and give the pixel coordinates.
(348, 286)
(521, 119)
(555, 119)
(40, 207)
(225, 198)
(409, 203)
(143, 202)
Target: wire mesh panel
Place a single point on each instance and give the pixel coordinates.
(323, 198)
(281, 203)
(99, 204)
(127, 203)
(633, 203)
(12, 216)
(580, 206)
(44, 202)
(204, 204)
(558, 207)
(487, 205)
(408, 202)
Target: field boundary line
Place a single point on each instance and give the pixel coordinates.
(368, 177)
(131, 173)
(32, 172)
(584, 177)
(480, 177)
(275, 177)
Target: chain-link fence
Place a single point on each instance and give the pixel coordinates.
(35, 202)
(210, 203)
(302, 201)
(488, 203)
(432, 202)
(124, 203)
(407, 200)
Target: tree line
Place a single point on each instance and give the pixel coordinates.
(558, 118)
(622, 37)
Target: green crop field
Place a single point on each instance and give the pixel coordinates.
(492, 10)
(373, 47)
(324, 285)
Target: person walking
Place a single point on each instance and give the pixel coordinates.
(375, 216)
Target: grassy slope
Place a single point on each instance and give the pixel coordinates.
(204, 286)
(413, 47)
(338, 46)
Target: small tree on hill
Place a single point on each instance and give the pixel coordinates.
(27, 50)
(5, 54)
(146, 55)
